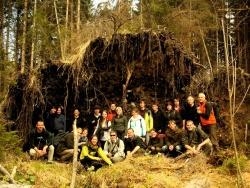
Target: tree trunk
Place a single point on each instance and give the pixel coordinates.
(59, 31)
(25, 11)
(67, 15)
(2, 54)
(71, 23)
(1, 30)
(8, 31)
(33, 37)
(73, 179)
(78, 16)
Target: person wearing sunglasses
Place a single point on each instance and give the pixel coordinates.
(114, 148)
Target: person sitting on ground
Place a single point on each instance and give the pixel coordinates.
(92, 156)
(40, 142)
(103, 128)
(65, 148)
(120, 123)
(173, 139)
(83, 137)
(133, 144)
(114, 148)
(194, 139)
(137, 123)
(60, 122)
(155, 143)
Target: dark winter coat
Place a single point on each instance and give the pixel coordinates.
(194, 137)
(190, 113)
(173, 137)
(159, 120)
(39, 140)
(131, 143)
(60, 124)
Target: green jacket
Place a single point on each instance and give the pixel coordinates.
(95, 153)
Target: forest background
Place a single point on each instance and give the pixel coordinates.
(37, 33)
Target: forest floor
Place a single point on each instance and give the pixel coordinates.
(145, 171)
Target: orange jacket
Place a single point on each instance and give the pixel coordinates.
(207, 116)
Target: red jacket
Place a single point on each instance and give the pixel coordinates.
(207, 116)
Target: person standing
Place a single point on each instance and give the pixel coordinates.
(190, 112)
(120, 123)
(147, 115)
(102, 130)
(93, 120)
(60, 122)
(137, 123)
(207, 119)
(159, 119)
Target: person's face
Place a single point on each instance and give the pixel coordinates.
(153, 134)
(169, 107)
(190, 126)
(76, 113)
(201, 97)
(97, 111)
(176, 102)
(113, 136)
(155, 107)
(94, 140)
(130, 134)
(59, 111)
(142, 104)
(113, 107)
(104, 114)
(39, 126)
(172, 125)
(85, 132)
(119, 111)
(79, 131)
(134, 113)
(190, 100)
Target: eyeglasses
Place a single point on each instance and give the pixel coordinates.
(112, 135)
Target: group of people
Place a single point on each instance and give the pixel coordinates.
(108, 136)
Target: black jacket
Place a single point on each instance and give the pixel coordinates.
(39, 140)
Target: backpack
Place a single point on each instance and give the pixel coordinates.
(58, 138)
(216, 109)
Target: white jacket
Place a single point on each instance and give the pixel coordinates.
(138, 125)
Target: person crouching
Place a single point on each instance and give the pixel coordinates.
(92, 156)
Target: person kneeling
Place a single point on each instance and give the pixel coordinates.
(114, 148)
(134, 144)
(39, 141)
(194, 139)
(155, 143)
(173, 138)
(92, 156)
(65, 148)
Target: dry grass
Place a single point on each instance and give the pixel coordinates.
(146, 171)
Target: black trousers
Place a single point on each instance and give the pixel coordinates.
(87, 162)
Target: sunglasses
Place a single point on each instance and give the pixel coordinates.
(112, 135)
